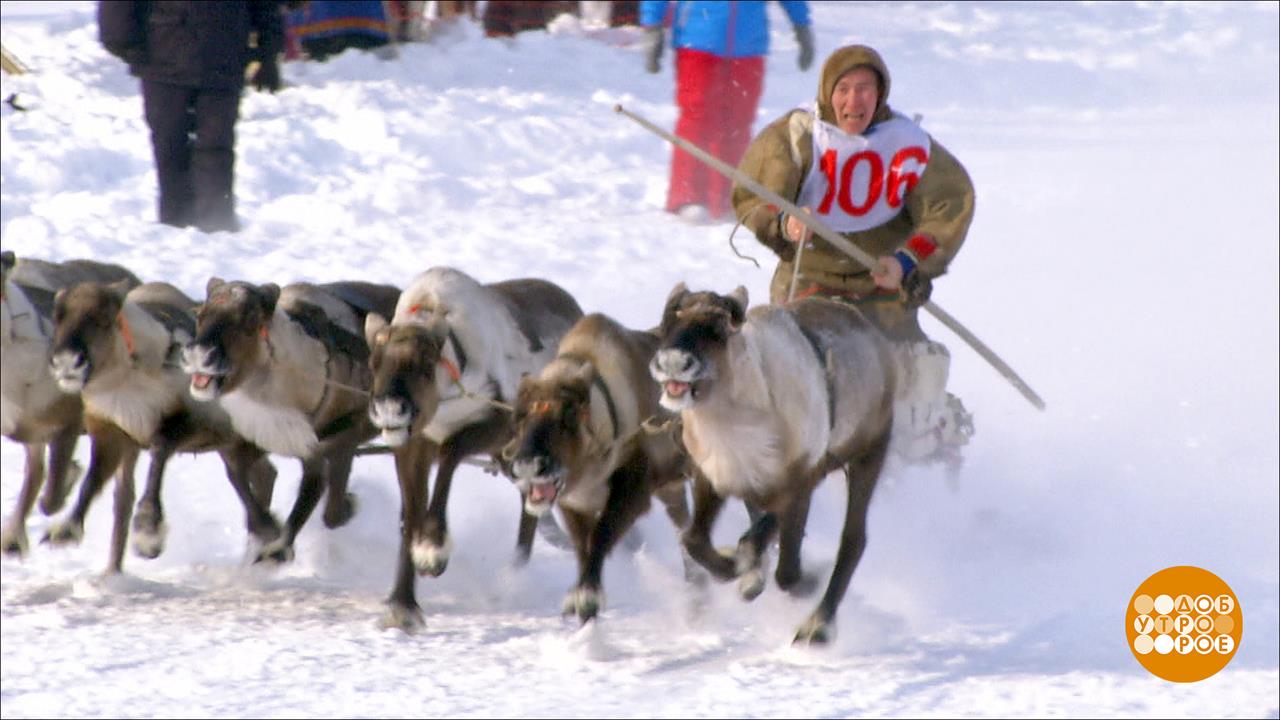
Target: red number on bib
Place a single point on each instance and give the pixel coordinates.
(899, 182)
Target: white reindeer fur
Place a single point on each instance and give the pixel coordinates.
(769, 409)
(25, 383)
(496, 350)
(136, 395)
(268, 407)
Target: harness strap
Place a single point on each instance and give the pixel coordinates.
(826, 371)
(126, 333)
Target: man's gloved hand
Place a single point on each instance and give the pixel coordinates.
(267, 76)
(804, 37)
(916, 289)
(653, 48)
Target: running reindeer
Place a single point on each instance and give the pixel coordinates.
(454, 350)
(34, 411)
(117, 349)
(291, 369)
(579, 443)
(772, 401)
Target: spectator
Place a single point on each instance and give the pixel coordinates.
(191, 59)
(325, 28)
(720, 49)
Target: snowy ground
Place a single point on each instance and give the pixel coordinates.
(1123, 259)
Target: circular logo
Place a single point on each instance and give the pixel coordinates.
(1183, 624)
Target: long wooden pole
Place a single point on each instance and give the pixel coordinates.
(840, 243)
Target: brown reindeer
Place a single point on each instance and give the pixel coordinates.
(291, 369)
(771, 402)
(579, 443)
(453, 349)
(117, 350)
(35, 412)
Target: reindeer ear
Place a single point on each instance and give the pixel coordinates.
(120, 288)
(373, 324)
(214, 283)
(738, 306)
(673, 301)
(270, 295)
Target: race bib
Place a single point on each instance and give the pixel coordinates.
(859, 182)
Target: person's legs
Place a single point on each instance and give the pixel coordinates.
(695, 93)
(168, 112)
(730, 130)
(213, 160)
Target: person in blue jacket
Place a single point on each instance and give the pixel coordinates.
(720, 47)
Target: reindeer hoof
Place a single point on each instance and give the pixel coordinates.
(148, 535)
(814, 631)
(14, 543)
(803, 586)
(56, 489)
(430, 558)
(751, 584)
(398, 617)
(64, 533)
(338, 514)
(277, 552)
(583, 602)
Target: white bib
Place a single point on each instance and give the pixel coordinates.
(859, 182)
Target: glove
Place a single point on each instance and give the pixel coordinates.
(267, 76)
(804, 37)
(653, 48)
(916, 289)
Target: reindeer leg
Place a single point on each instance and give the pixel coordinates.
(309, 492)
(63, 470)
(697, 538)
(246, 467)
(628, 500)
(109, 445)
(749, 556)
(123, 509)
(433, 545)
(861, 475)
(149, 529)
(524, 535)
(789, 574)
(340, 505)
(413, 460)
(14, 537)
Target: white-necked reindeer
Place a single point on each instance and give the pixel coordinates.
(117, 350)
(453, 348)
(290, 367)
(772, 401)
(34, 411)
(579, 443)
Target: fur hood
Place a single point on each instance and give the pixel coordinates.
(842, 61)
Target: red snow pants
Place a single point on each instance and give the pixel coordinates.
(717, 97)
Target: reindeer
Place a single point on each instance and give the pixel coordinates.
(35, 412)
(117, 350)
(290, 368)
(579, 443)
(771, 402)
(454, 350)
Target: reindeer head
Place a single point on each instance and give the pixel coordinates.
(87, 332)
(409, 367)
(695, 333)
(231, 332)
(552, 432)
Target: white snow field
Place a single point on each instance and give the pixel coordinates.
(1123, 259)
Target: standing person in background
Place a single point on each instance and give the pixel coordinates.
(191, 59)
(877, 178)
(720, 48)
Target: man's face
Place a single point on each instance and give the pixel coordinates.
(854, 99)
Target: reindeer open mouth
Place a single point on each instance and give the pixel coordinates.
(539, 484)
(679, 373)
(70, 370)
(206, 378)
(392, 416)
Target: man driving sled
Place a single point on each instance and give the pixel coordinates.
(879, 180)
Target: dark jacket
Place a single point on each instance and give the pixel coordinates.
(197, 44)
